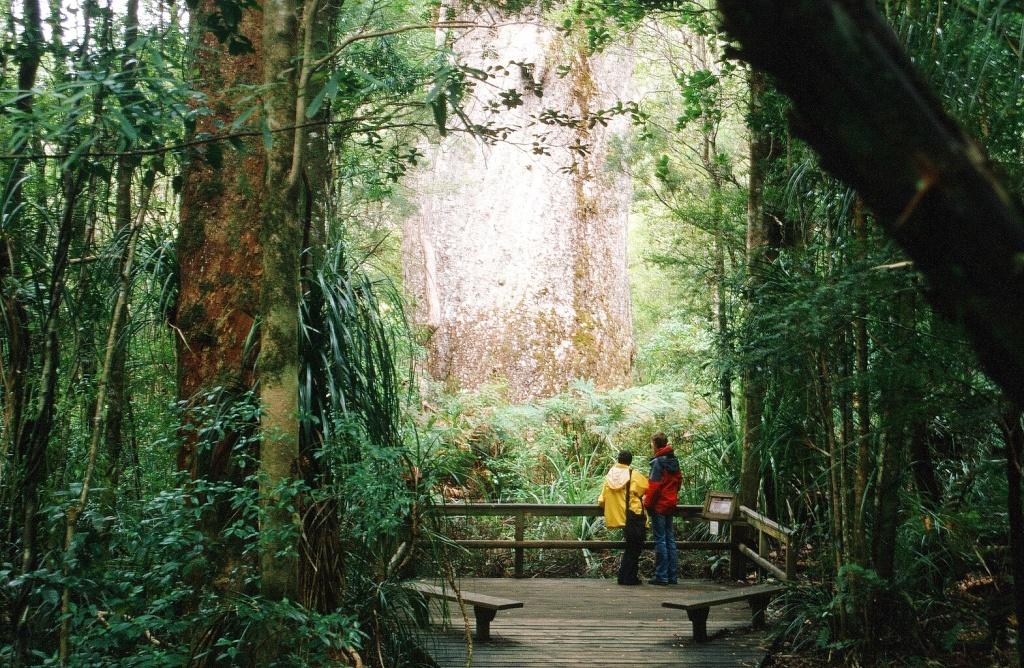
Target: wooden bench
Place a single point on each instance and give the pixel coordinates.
(698, 607)
(484, 607)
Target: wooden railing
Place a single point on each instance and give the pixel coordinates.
(769, 527)
(522, 511)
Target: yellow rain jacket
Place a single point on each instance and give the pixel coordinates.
(613, 494)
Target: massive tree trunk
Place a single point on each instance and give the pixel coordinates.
(219, 266)
(517, 258)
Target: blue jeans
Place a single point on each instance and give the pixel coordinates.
(666, 556)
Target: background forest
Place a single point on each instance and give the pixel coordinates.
(219, 444)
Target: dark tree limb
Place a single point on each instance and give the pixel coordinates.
(861, 105)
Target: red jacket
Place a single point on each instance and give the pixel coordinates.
(666, 478)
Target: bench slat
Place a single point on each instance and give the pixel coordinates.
(722, 597)
(469, 598)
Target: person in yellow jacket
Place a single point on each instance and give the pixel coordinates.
(631, 519)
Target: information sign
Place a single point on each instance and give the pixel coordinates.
(719, 506)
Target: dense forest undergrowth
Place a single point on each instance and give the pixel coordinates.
(219, 444)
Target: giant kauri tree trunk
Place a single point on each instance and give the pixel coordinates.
(517, 252)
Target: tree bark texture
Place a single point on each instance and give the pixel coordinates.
(859, 102)
(219, 271)
(219, 251)
(281, 237)
(517, 260)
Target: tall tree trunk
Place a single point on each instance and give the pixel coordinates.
(719, 292)
(281, 237)
(754, 386)
(863, 401)
(117, 391)
(753, 375)
(116, 388)
(219, 269)
(15, 317)
(896, 399)
(28, 449)
(32, 448)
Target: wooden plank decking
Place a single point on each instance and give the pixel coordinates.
(590, 622)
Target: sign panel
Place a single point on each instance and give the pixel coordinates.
(719, 506)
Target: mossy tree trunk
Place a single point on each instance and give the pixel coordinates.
(219, 267)
(278, 366)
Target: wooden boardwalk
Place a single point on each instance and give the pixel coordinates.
(590, 622)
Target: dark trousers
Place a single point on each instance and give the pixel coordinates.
(666, 555)
(630, 563)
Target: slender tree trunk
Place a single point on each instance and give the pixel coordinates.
(281, 238)
(28, 425)
(863, 401)
(117, 389)
(720, 299)
(823, 391)
(757, 252)
(896, 398)
(35, 441)
(753, 380)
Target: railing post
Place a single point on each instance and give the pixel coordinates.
(520, 535)
(737, 564)
(762, 549)
(790, 558)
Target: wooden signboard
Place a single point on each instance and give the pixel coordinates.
(719, 506)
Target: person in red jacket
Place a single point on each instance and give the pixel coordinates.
(660, 500)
